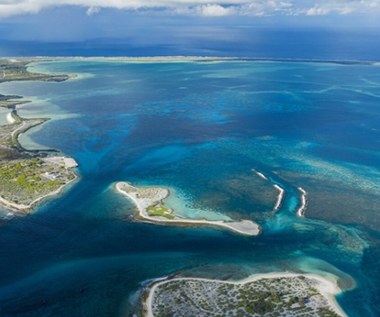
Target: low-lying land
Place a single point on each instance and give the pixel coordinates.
(24, 182)
(11, 101)
(16, 69)
(27, 177)
(275, 294)
(149, 201)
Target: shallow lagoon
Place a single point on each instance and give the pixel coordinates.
(198, 128)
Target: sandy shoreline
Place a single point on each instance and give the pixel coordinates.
(10, 118)
(281, 191)
(23, 208)
(64, 162)
(328, 288)
(190, 58)
(131, 59)
(244, 227)
(261, 175)
(280, 197)
(301, 210)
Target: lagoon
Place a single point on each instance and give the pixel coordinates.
(199, 128)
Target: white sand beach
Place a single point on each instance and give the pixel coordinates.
(244, 227)
(23, 207)
(328, 288)
(261, 175)
(280, 197)
(280, 190)
(10, 118)
(302, 208)
(66, 162)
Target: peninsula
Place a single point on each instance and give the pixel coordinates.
(149, 202)
(273, 294)
(16, 69)
(27, 177)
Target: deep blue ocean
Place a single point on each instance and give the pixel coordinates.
(198, 128)
(194, 38)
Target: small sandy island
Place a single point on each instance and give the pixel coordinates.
(273, 294)
(149, 202)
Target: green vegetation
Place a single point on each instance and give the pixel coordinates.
(22, 181)
(16, 69)
(324, 312)
(9, 145)
(11, 70)
(25, 176)
(160, 210)
(11, 101)
(285, 296)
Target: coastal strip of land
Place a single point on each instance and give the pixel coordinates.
(302, 208)
(50, 164)
(16, 69)
(149, 202)
(188, 58)
(284, 293)
(27, 177)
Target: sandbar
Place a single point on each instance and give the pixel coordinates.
(148, 201)
(280, 190)
(261, 175)
(302, 208)
(280, 197)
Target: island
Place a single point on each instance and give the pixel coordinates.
(27, 177)
(273, 294)
(151, 208)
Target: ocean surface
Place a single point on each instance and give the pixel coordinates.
(194, 38)
(198, 128)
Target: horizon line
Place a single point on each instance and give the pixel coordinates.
(195, 58)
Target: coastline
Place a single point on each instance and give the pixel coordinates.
(327, 288)
(243, 227)
(10, 118)
(307, 231)
(21, 125)
(191, 58)
(24, 208)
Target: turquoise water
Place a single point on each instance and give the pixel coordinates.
(200, 129)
